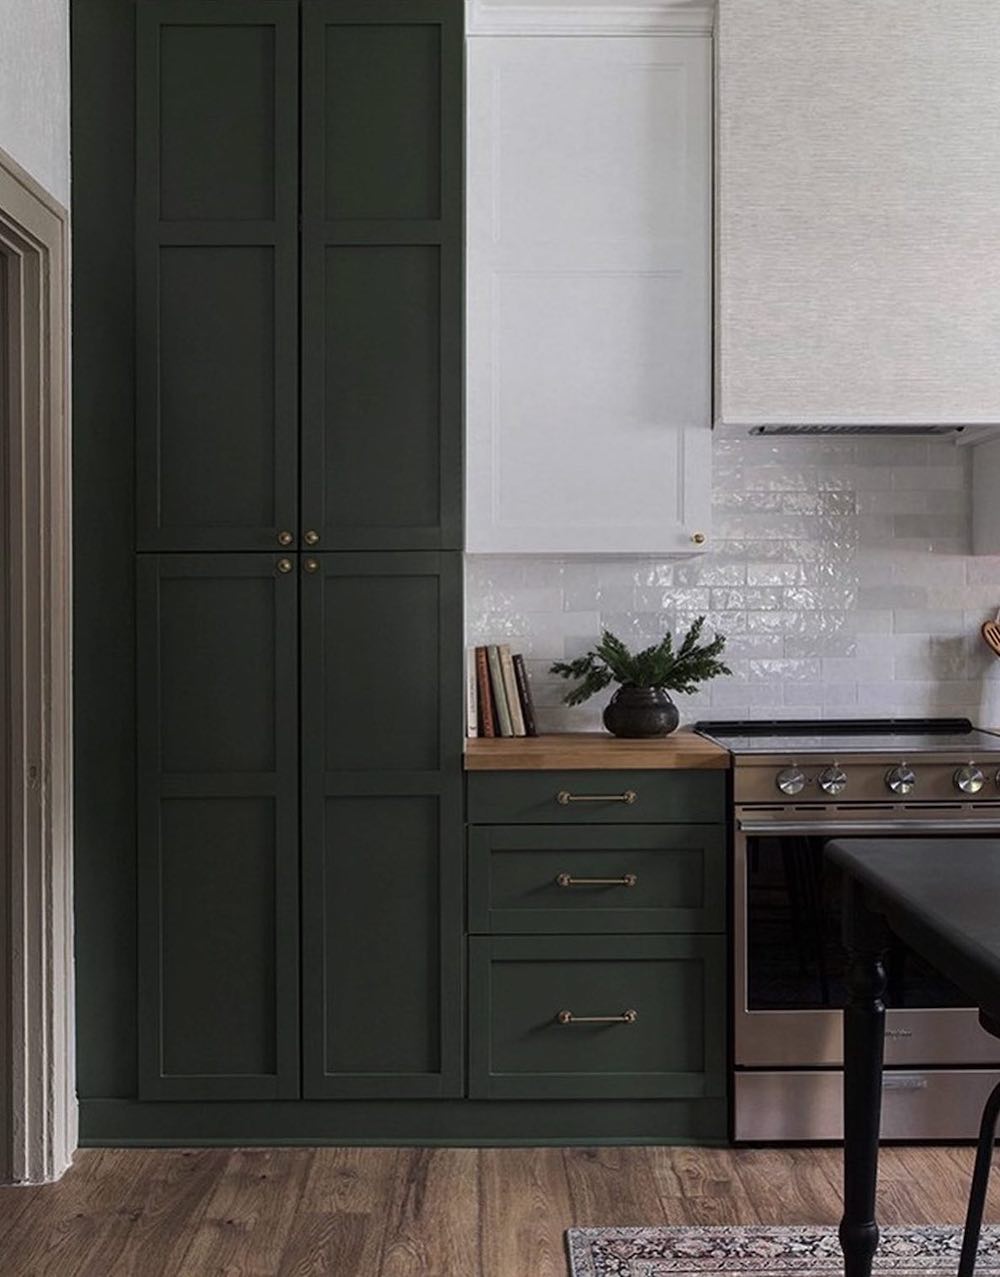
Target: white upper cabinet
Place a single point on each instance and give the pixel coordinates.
(858, 185)
(588, 284)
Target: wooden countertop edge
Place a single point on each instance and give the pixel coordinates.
(594, 751)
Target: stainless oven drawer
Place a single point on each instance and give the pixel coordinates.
(944, 1036)
(926, 1104)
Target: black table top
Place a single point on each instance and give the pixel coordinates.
(942, 897)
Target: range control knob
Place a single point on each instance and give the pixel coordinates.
(791, 781)
(901, 780)
(833, 780)
(969, 780)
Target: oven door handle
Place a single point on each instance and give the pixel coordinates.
(847, 828)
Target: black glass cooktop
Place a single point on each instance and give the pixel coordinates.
(900, 736)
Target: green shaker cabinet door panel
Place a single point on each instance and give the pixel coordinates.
(216, 274)
(605, 878)
(218, 827)
(382, 825)
(639, 1017)
(382, 274)
(596, 797)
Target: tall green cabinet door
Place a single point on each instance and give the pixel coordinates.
(217, 274)
(382, 243)
(382, 825)
(218, 836)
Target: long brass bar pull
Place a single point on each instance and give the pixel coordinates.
(626, 1017)
(564, 797)
(567, 880)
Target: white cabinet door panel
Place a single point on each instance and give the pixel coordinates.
(588, 294)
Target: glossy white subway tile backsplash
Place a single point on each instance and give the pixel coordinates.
(839, 571)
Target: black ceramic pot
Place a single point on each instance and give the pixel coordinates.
(641, 711)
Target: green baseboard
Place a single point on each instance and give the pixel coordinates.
(117, 1122)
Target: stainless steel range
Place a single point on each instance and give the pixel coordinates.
(795, 785)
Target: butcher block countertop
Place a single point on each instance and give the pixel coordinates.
(593, 751)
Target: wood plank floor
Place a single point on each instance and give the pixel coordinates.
(424, 1212)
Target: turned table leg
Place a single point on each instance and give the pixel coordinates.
(864, 1038)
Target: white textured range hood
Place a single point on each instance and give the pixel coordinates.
(858, 239)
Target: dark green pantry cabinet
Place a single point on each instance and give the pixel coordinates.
(252, 214)
(267, 392)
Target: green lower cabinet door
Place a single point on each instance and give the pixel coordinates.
(218, 836)
(640, 1017)
(382, 825)
(573, 798)
(602, 878)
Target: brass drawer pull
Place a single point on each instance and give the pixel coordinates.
(567, 880)
(626, 1017)
(564, 797)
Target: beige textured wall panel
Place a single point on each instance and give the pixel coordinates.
(858, 193)
(34, 89)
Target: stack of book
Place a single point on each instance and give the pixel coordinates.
(498, 698)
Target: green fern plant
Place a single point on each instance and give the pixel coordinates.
(662, 666)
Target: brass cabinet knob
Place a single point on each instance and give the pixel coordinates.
(311, 537)
(698, 538)
(285, 538)
(284, 565)
(311, 565)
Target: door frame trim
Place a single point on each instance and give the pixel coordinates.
(38, 1108)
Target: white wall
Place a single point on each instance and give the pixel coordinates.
(839, 570)
(34, 89)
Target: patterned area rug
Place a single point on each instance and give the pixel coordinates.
(766, 1252)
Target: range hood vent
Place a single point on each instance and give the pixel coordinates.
(857, 430)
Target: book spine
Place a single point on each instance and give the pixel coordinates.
(524, 693)
(471, 718)
(510, 690)
(499, 696)
(485, 695)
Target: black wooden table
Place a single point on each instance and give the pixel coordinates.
(941, 898)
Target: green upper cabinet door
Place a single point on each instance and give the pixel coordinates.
(382, 274)
(217, 274)
(218, 902)
(382, 874)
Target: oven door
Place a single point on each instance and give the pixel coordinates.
(789, 961)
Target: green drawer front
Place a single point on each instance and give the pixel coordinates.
(590, 797)
(605, 878)
(673, 1049)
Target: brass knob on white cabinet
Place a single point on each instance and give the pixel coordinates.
(698, 538)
